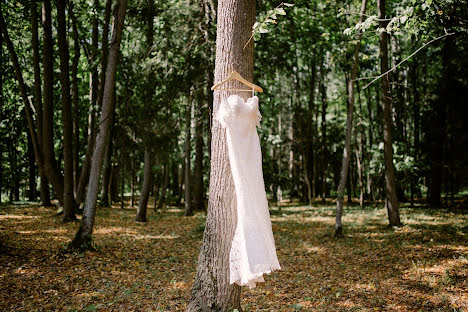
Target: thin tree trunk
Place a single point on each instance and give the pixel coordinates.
(390, 187)
(83, 237)
(349, 129)
(45, 193)
(122, 176)
(75, 104)
(324, 159)
(105, 52)
(50, 164)
(106, 177)
(143, 204)
(162, 199)
(23, 91)
(67, 120)
(32, 170)
(2, 66)
(132, 185)
(211, 290)
(93, 96)
(188, 123)
(198, 188)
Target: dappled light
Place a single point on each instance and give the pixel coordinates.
(372, 269)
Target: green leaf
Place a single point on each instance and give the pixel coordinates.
(280, 11)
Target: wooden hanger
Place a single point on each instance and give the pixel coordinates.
(235, 75)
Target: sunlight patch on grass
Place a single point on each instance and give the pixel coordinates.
(154, 236)
(18, 217)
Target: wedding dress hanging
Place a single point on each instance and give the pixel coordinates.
(253, 251)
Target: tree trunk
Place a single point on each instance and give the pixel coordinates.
(45, 193)
(50, 165)
(23, 91)
(83, 237)
(2, 66)
(349, 129)
(122, 176)
(188, 123)
(68, 194)
(14, 174)
(93, 95)
(390, 187)
(106, 177)
(324, 159)
(143, 204)
(198, 188)
(32, 170)
(75, 104)
(211, 290)
(105, 52)
(162, 199)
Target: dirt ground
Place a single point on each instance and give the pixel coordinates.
(421, 266)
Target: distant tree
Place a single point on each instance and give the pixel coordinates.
(349, 128)
(390, 187)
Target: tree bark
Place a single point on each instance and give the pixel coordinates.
(324, 159)
(105, 52)
(143, 204)
(67, 120)
(162, 199)
(107, 175)
(23, 91)
(390, 186)
(45, 193)
(188, 124)
(93, 96)
(75, 104)
(211, 290)
(198, 188)
(32, 170)
(83, 237)
(349, 129)
(50, 165)
(2, 66)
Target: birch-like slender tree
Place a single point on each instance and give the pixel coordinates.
(390, 186)
(349, 129)
(83, 237)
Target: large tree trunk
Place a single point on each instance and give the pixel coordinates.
(188, 124)
(143, 204)
(83, 236)
(390, 187)
(68, 195)
(349, 129)
(211, 290)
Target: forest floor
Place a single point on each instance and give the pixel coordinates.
(421, 266)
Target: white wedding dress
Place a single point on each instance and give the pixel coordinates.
(253, 251)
